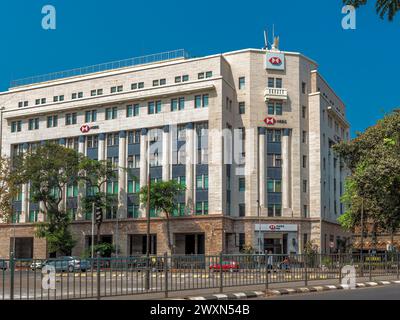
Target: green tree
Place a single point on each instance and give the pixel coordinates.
(95, 175)
(48, 170)
(373, 158)
(163, 197)
(384, 8)
(8, 190)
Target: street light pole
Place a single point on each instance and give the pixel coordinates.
(93, 213)
(148, 242)
(362, 236)
(259, 226)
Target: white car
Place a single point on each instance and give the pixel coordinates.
(37, 265)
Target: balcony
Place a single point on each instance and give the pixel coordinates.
(275, 94)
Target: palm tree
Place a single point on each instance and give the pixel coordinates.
(383, 7)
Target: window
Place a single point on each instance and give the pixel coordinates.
(205, 100)
(91, 116)
(242, 210)
(182, 181)
(33, 215)
(242, 184)
(33, 124)
(303, 87)
(304, 112)
(209, 74)
(274, 186)
(134, 137)
(177, 104)
(138, 85)
(154, 107)
(134, 161)
(242, 107)
(271, 82)
(92, 141)
(178, 79)
(112, 140)
(58, 98)
(156, 83)
(96, 92)
(274, 160)
(304, 186)
(23, 104)
(112, 187)
(304, 136)
(242, 83)
(304, 161)
(132, 110)
(70, 118)
(278, 83)
(52, 121)
(72, 190)
(163, 82)
(133, 211)
(200, 75)
(275, 108)
(201, 207)
(111, 113)
(40, 101)
(185, 78)
(16, 126)
(78, 95)
(116, 89)
(201, 182)
(179, 210)
(274, 210)
(133, 186)
(274, 135)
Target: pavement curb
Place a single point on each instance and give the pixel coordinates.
(286, 291)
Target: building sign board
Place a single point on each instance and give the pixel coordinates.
(276, 227)
(275, 61)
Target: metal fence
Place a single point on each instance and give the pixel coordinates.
(74, 278)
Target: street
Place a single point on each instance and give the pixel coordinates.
(387, 292)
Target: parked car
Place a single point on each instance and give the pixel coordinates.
(69, 264)
(230, 266)
(3, 265)
(37, 265)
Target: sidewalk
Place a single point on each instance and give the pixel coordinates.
(232, 290)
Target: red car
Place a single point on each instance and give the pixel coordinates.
(226, 266)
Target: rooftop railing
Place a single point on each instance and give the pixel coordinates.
(152, 58)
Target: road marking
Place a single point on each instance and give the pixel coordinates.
(221, 296)
(240, 295)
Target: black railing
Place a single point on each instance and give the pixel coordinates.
(76, 278)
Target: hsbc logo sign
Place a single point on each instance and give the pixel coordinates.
(269, 121)
(275, 61)
(85, 128)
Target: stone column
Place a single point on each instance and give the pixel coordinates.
(166, 159)
(25, 196)
(261, 167)
(102, 147)
(143, 165)
(122, 196)
(81, 189)
(286, 173)
(190, 167)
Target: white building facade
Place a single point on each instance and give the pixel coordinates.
(249, 133)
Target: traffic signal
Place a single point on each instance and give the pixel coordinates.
(99, 215)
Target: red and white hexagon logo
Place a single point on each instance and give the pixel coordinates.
(85, 128)
(270, 121)
(276, 61)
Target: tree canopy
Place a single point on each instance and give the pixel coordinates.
(373, 158)
(383, 8)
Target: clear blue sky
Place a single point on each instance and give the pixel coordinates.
(362, 65)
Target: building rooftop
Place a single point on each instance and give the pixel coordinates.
(152, 58)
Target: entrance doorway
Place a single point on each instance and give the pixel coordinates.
(189, 243)
(273, 245)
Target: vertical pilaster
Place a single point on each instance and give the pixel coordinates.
(190, 167)
(261, 166)
(166, 159)
(81, 188)
(122, 186)
(286, 168)
(143, 165)
(25, 196)
(102, 147)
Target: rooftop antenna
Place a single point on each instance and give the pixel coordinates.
(275, 44)
(265, 39)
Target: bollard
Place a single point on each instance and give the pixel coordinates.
(221, 277)
(98, 276)
(166, 274)
(12, 270)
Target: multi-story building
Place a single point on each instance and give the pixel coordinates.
(249, 133)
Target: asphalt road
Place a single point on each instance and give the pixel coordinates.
(387, 292)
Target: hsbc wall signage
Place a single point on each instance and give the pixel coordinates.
(276, 227)
(270, 121)
(275, 61)
(85, 128)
